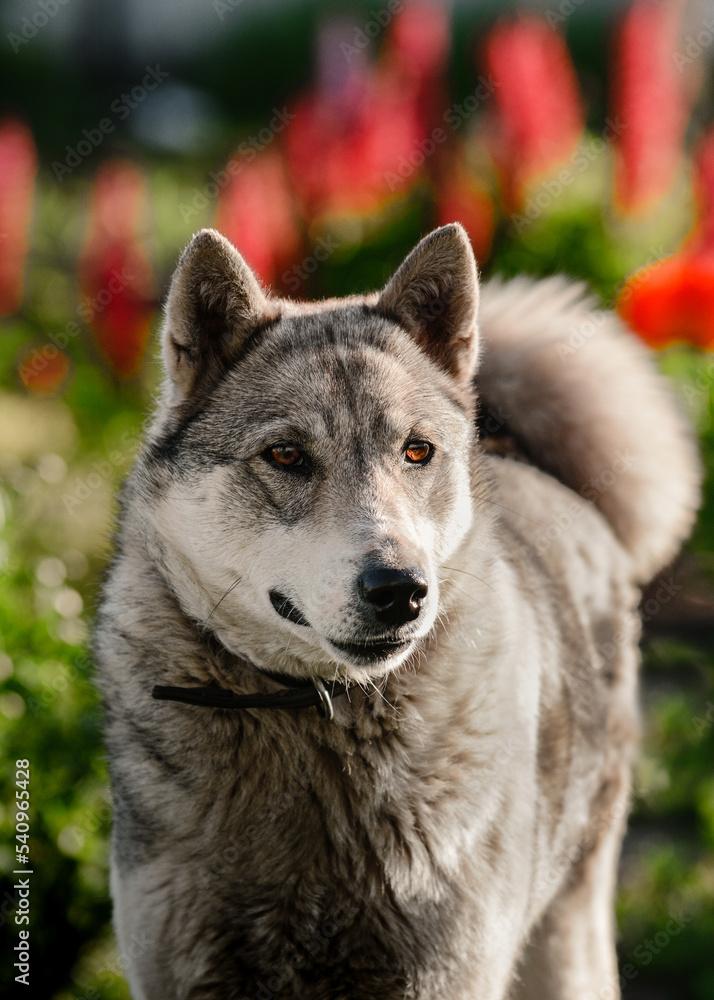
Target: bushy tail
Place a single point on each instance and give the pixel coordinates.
(586, 403)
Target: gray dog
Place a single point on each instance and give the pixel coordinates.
(368, 648)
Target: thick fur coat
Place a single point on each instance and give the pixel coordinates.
(450, 511)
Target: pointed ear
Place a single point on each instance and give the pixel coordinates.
(213, 304)
(434, 295)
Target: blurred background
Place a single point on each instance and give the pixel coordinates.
(324, 140)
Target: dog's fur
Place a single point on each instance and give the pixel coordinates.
(454, 832)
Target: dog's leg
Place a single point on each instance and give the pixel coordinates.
(571, 953)
(148, 934)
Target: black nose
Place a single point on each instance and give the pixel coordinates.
(396, 596)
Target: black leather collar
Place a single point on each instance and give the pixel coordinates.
(296, 693)
(307, 694)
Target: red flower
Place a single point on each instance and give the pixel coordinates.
(255, 212)
(649, 100)
(420, 38)
(539, 118)
(363, 134)
(18, 165)
(114, 272)
(417, 47)
(461, 198)
(44, 370)
(351, 163)
(673, 301)
(347, 159)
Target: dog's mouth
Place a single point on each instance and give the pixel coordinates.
(360, 652)
(370, 651)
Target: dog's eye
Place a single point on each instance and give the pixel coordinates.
(286, 454)
(418, 452)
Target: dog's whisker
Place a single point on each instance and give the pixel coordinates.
(455, 569)
(452, 583)
(441, 612)
(509, 509)
(288, 638)
(229, 591)
(382, 695)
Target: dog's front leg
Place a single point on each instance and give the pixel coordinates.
(571, 953)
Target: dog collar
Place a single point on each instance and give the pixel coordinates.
(296, 694)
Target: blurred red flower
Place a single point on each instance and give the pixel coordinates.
(417, 47)
(341, 157)
(460, 197)
(539, 116)
(420, 38)
(673, 301)
(18, 166)
(114, 272)
(363, 133)
(256, 213)
(44, 370)
(649, 99)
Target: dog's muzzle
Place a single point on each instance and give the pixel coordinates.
(388, 600)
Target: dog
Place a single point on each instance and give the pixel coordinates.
(368, 645)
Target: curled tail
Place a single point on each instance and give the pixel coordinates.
(585, 402)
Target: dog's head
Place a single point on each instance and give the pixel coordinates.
(309, 470)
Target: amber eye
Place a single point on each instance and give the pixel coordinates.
(286, 454)
(418, 452)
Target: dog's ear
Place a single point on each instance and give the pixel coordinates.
(434, 295)
(213, 304)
